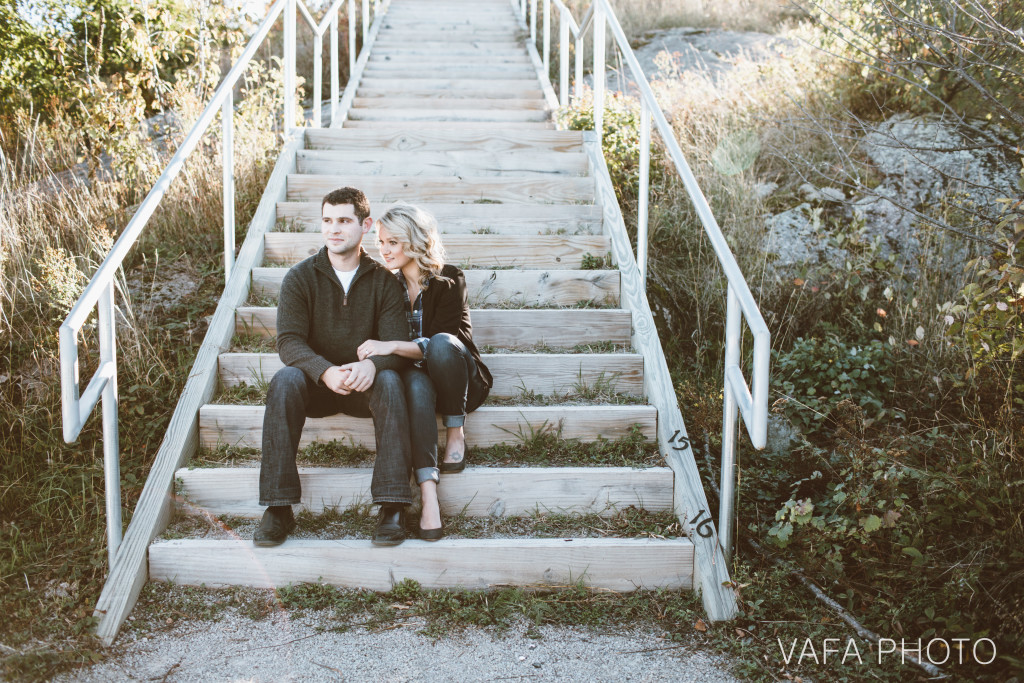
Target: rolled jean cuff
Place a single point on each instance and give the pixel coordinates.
(282, 499)
(427, 474)
(453, 420)
(393, 500)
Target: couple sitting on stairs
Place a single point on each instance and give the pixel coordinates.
(359, 340)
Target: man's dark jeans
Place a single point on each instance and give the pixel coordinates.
(293, 397)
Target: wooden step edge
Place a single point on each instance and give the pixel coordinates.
(476, 492)
(501, 328)
(242, 425)
(547, 374)
(611, 563)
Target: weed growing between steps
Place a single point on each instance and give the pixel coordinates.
(542, 446)
(593, 347)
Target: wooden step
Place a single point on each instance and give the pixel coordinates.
(504, 288)
(487, 91)
(613, 564)
(477, 492)
(398, 61)
(501, 126)
(401, 100)
(506, 329)
(242, 425)
(468, 218)
(478, 164)
(542, 373)
(398, 86)
(402, 139)
(478, 251)
(555, 190)
(428, 71)
(460, 52)
(417, 114)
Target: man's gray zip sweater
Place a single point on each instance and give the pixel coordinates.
(320, 326)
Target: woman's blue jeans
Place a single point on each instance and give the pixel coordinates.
(445, 384)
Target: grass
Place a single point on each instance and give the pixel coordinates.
(541, 446)
(359, 522)
(53, 556)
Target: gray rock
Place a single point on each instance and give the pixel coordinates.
(794, 237)
(713, 52)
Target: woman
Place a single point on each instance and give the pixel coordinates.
(448, 371)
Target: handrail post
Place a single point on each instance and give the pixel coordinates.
(334, 67)
(289, 66)
(533, 22)
(599, 28)
(366, 21)
(111, 446)
(645, 171)
(547, 39)
(563, 58)
(228, 174)
(351, 40)
(578, 85)
(318, 78)
(727, 502)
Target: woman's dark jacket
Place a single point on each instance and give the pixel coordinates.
(446, 309)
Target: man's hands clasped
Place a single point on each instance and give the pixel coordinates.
(344, 379)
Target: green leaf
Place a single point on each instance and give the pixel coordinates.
(913, 552)
(871, 523)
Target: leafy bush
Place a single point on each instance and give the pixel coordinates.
(819, 372)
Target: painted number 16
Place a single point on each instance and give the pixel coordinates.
(704, 529)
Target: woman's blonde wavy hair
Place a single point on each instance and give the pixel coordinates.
(417, 232)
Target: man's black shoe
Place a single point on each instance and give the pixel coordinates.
(278, 521)
(390, 525)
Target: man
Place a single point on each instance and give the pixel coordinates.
(330, 303)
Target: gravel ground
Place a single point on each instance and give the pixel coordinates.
(288, 648)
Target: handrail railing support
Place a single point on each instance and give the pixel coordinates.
(563, 58)
(644, 199)
(289, 66)
(727, 500)
(227, 113)
(599, 28)
(111, 438)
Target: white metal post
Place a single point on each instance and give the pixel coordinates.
(599, 29)
(578, 85)
(334, 67)
(289, 66)
(366, 21)
(563, 58)
(727, 503)
(111, 447)
(547, 39)
(351, 39)
(522, 9)
(318, 77)
(645, 172)
(533, 22)
(228, 174)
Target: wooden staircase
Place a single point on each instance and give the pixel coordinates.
(450, 113)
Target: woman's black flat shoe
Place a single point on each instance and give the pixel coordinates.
(432, 534)
(453, 467)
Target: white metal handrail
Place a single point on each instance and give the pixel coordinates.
(740, 303)
(76, 406)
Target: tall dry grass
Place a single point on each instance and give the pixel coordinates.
(60, 211)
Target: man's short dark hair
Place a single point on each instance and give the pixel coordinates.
(349, 195)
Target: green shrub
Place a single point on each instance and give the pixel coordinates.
(819, 372)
